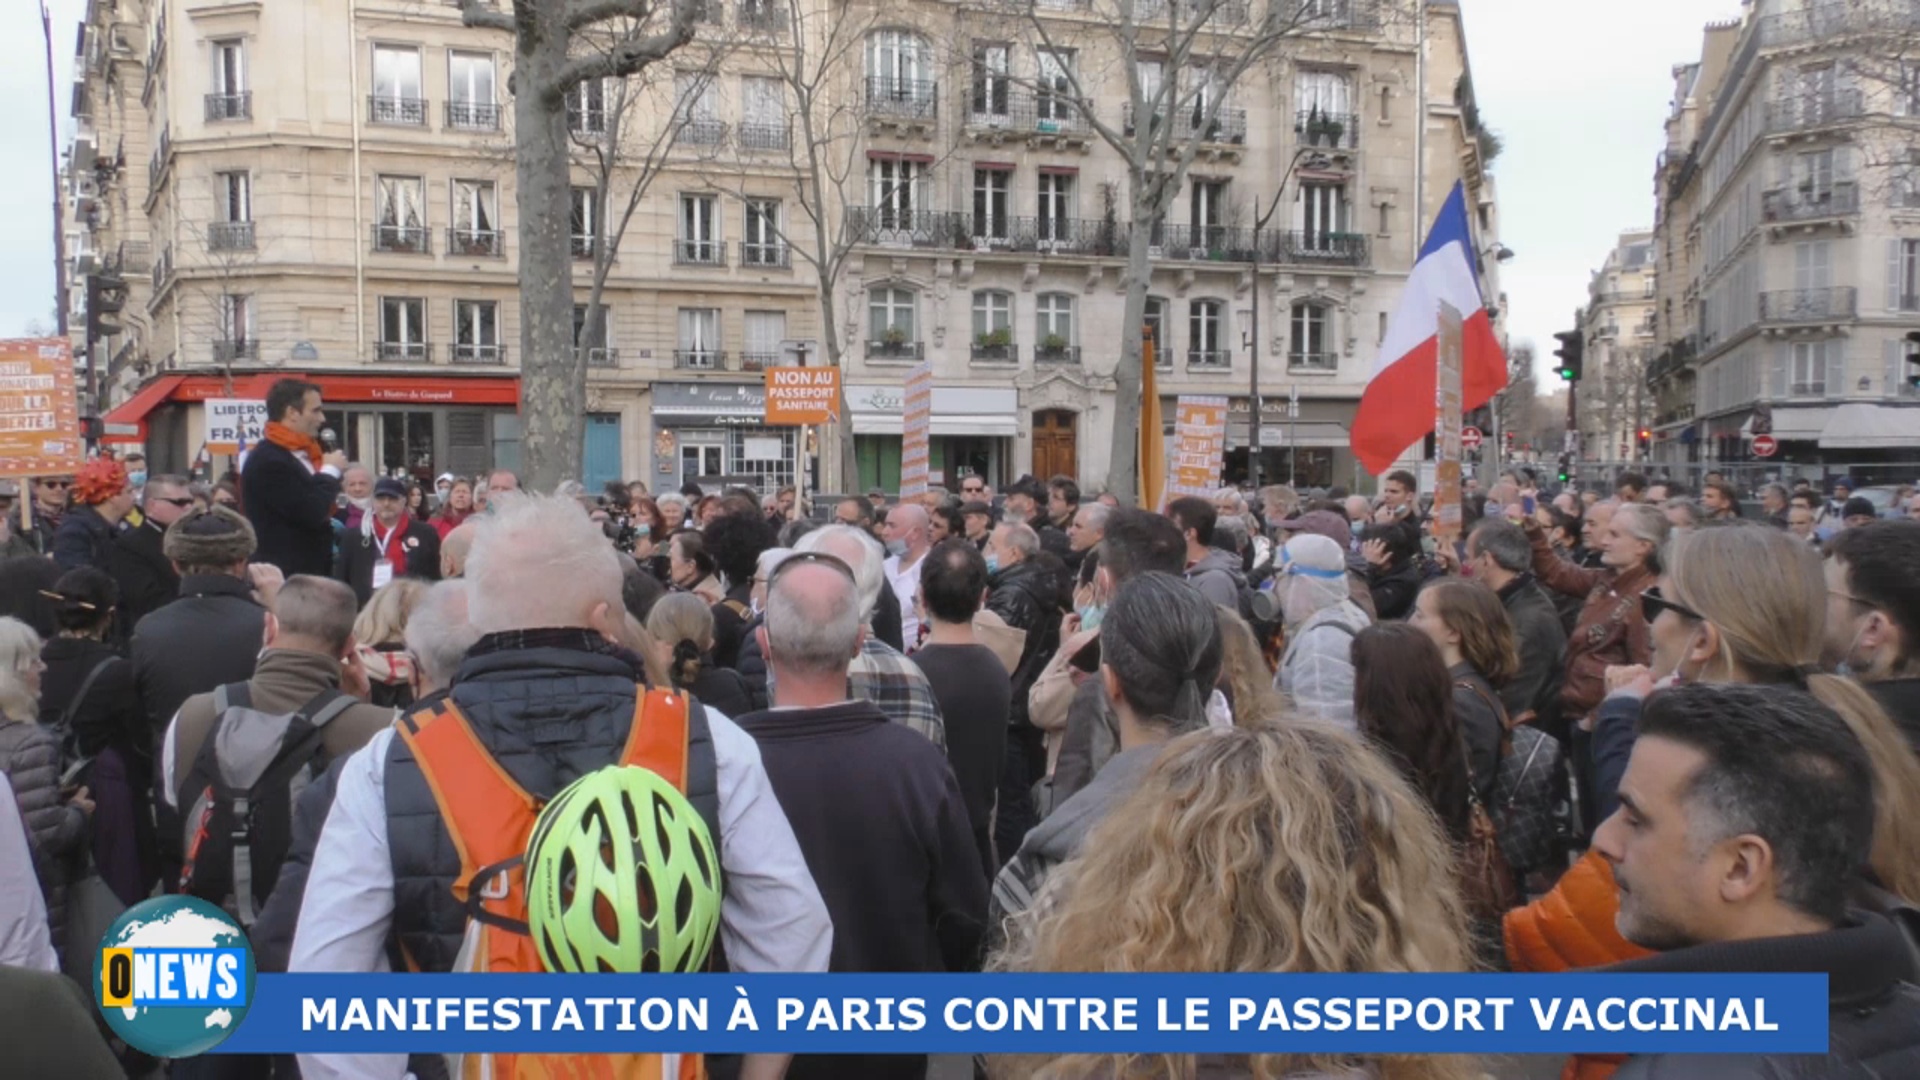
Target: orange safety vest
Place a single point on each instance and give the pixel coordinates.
(489, 818)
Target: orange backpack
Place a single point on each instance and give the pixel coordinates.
(489, 817)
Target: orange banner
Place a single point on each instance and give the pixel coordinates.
(803, 395)
(39, 419)
(1200, 444)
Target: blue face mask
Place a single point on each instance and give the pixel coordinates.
(138, 478)
(897, 548)
(993, 564)
(1091, 616)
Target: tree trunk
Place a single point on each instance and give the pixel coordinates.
(1123, 474)
(553, 377)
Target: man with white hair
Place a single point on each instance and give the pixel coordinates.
(880, 674)
(1316, 671)
(908, 535)
(439, 633)
(544, 696)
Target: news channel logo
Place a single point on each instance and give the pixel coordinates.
(174, 976)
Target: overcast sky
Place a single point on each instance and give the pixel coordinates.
(1577, 91)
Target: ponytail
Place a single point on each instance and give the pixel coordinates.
(1895, 858)
(686, 663)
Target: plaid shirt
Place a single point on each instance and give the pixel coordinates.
(884, 676)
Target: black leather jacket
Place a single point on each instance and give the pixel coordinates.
(1025, 595)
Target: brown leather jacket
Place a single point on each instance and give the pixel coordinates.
(1609, 630)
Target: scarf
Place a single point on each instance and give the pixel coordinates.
(286, 438)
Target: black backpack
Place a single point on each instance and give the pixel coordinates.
(239, 795)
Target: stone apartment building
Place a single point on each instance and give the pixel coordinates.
(1788, 205)
(327, 189)
(1618, 324)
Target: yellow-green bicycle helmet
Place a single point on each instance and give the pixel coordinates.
(621, 877)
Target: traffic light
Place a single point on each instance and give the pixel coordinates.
(1913, 359)
(106, 295)
(1646, 438)
(1572, 354)
(1566, 467)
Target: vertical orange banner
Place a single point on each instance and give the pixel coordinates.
(39, 418)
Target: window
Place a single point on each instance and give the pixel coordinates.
(897, 82)
(236, 196)
(699, 339)
(1903, 275)
(890, 313)
(400, 214)
(1320, 215)
(587, 108)
(1056, 206)
(765, 331)
(1208, 204)
(764, 245)
(1809, 367)
(1323, 107)
(470, 91)
(697, 110)
(894, 184)
(1204, 335)
(476, 332)
(396, 86)
(990, 86)
(699, 240)
(1386, 218)
(474, 215)
(1053, 325)
(1812, 177)
(990, 204)
(1648, 286)
(1386, 104)
(1053, 99)
(1156, 319)
(584, 221)
(993, 326)
(403, 329)
(1308, 346)
(236, 318)
(763, 114)
(229, 99)
(1152, 75)
(592, 336)
(1813, 266)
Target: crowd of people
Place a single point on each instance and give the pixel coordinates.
(1027, 730)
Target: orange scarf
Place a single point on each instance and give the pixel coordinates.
(285, 437)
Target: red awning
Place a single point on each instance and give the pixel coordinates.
(127, 423)
(377, 389)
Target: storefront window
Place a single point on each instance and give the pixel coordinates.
(406, 442)
(768, 455)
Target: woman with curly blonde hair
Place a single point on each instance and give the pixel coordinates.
(1271, 848)
(379, 636)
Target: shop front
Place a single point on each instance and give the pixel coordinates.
(416, 426)
(971, 433)
(715, 435)
(1307, 450)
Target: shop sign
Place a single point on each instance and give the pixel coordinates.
(233, 424)
(802, 395)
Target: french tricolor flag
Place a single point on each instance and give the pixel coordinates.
(1398, 408)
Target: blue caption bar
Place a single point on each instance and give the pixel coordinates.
(1480, 1014)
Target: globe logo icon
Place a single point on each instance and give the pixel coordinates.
(174, 976)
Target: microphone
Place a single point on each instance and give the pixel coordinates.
(329, 440)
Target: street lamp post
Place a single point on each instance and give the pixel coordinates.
(1313, 157)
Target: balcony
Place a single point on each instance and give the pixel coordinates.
(1805, 204)
(136, 257)
(890, 351)
(588, 121)
(162, 267)
(229, 107)
(473, 116)
(960, 231)
(230, 236)
(602, 357)
(764, 136)
(762, 17)
(1321, 248)
(1055, 354)
(699, 253)
(909, 228)
(401, 239)
(759, 361)
(476, 243)
(772, 256)
(158, 163)
(480, 355)
(581, 247)
(901, 99)
(1807, 112)
(1217, 243)
(995, 354)
(699, 360)
(1326, 131)
(1218, 13)
(1325, 15)
(399, 111)
(1229, 126)
(998, 107)
(1209, 360)
(1317, 363)
(701, 132)
(1807, 305)
(234, 352)
(404, 352)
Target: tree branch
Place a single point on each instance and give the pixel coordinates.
(630, 55)
(473, 14)
(583, 13)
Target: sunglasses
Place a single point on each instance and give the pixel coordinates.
(54, 483)
(181, 503)
(1652, 604)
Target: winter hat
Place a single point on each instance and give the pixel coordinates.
(215, 536)
(1321, 523)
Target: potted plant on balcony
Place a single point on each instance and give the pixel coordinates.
(1053, 347)
(993, 344)
(893, 342)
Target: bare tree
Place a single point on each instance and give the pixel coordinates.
(559, 46)
(1202, 50)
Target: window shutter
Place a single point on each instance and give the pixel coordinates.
(1836, 369)
(1782, 372)
(1893, 274)
(1895, 358)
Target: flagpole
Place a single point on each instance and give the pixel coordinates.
(59, 205)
